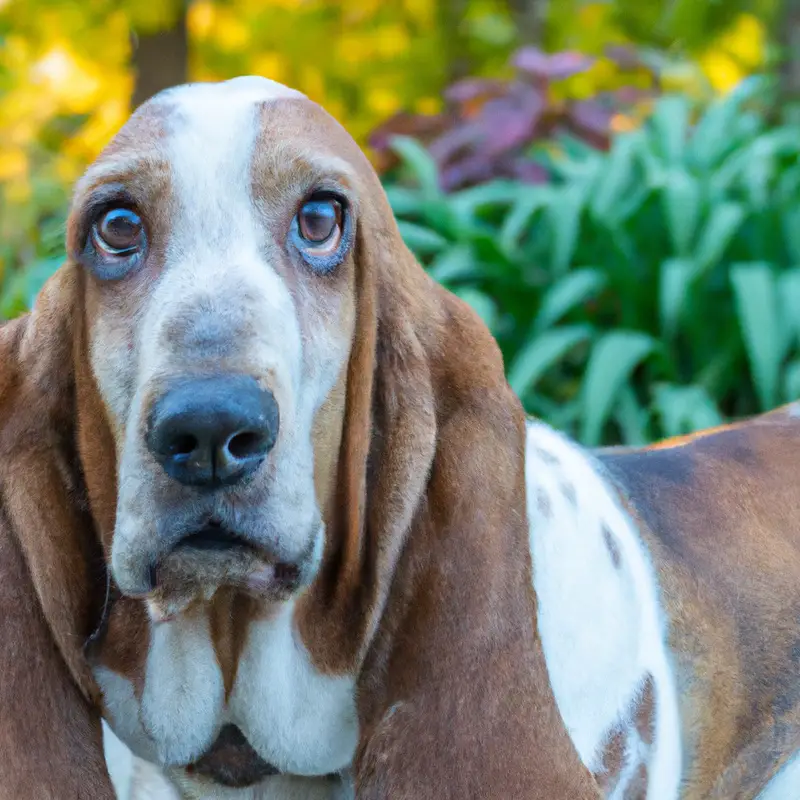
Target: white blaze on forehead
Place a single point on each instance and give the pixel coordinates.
(215, 239)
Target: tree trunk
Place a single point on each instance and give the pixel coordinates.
(160, 60)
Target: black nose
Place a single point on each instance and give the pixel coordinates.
(213, 431)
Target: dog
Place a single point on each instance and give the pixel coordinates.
(271, 514)
(262, 502)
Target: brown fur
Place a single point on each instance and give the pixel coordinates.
(720, 512)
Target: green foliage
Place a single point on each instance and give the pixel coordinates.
(645, 292)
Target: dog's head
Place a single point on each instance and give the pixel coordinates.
(217, 238)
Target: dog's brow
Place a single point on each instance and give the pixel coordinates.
(119, 169)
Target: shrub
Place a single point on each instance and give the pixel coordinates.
(644, 292)
(489, 124)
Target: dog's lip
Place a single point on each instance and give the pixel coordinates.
(214, 536)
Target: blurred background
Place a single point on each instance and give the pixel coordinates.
(613, 186)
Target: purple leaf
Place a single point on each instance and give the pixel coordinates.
(446, 146)
(591, 116)
(563, 65)
(533, 61)
(420, 126)
(510, 126)
(526, 170)
(467, 172)
(470, 89)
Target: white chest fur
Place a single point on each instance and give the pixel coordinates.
(299, 720)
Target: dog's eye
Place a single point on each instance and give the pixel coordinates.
(320, 222)
(118, 232)
(322, 231)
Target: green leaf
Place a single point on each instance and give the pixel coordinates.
(575, 287)
(631, 418)
(612, 361)
(421, 164)
(724, 222)
(710, 140)
(543, 352)
(791, 382)
(760, 326)
(564, 217)
(520, 218)
(616, 179)
(670, 122)
(685, 409)
(790, 221)
(675, 278)
(789, 299)
(468, 202)
(455, 263)
(20, 292)
(422, 241)
(681, 196)
(404, 201)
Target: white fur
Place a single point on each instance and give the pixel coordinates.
(183, 695)
(295, 718)
(602, 625)
(786, 784)
(303, 722)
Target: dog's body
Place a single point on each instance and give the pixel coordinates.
(268, 506)
(666, 585)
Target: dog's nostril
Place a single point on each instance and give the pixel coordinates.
(213, 432)
(246, 445)
(183, 445)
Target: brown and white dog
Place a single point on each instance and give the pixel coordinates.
(269, 508)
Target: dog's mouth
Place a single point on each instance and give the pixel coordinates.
(215, 557)
(213, 536)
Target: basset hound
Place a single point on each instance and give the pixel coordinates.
(271, 517)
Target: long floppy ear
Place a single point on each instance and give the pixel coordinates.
(50, 736)
(431, 570)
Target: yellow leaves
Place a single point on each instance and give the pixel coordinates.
(73, 85)
(200, 19)
(428, 105)
(391, 40)
(354, 47)
(383, 102)
(230, 32)
(13, 164)
(722, 71)
(208, 20)
(737, 52)
(270, 65)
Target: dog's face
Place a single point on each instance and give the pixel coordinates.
(218, 232)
